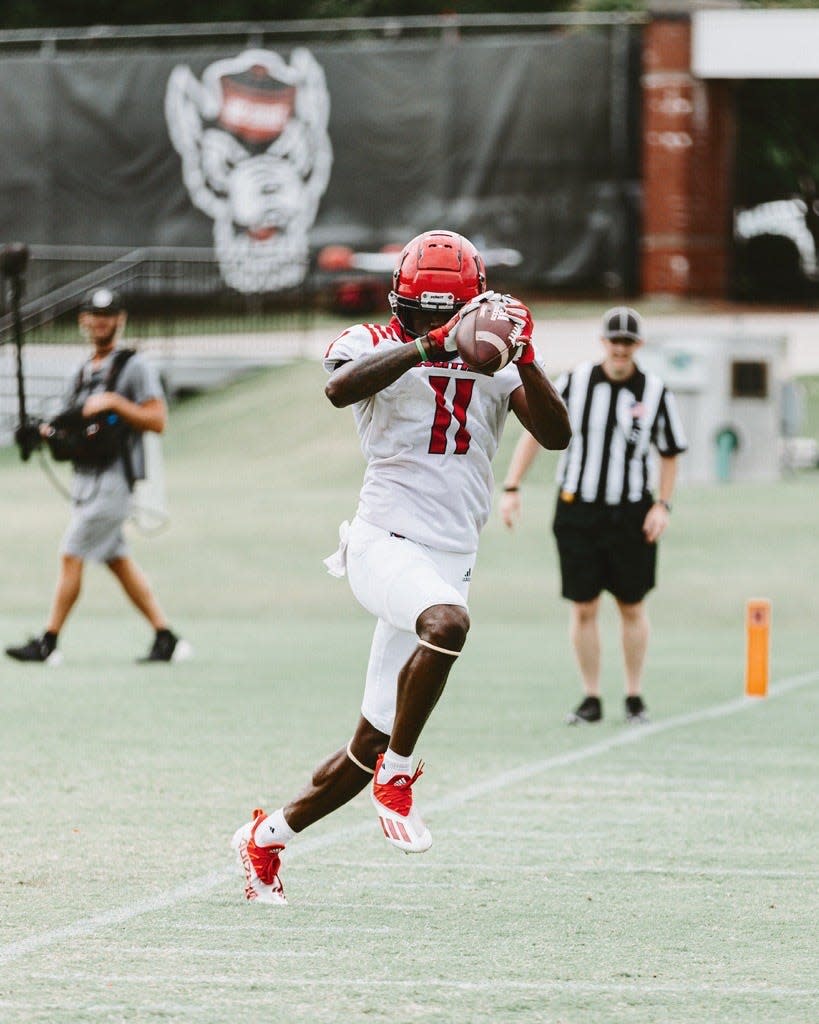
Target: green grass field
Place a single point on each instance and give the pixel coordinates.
(656, 875)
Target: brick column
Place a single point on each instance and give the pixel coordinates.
(688, 147)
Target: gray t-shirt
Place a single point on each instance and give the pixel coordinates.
(138, 380)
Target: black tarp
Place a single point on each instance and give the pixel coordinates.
(527, 142)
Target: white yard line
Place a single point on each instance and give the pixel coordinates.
(150, 980)
(205, 883)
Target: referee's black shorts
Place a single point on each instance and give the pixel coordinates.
(602, 547)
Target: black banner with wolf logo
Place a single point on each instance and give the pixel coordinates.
(527, 144)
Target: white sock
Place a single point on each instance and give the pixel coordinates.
(274, 829)
(394, 764)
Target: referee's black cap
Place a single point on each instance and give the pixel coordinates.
(623, 322)
(102, 300)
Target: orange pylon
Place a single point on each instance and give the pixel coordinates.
(757, 646)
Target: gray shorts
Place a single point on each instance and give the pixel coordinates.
(101, 504)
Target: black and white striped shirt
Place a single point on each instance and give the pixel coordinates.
(614, 424)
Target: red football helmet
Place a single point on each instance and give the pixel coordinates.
(437, 272)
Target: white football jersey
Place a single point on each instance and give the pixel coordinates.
(429, 440)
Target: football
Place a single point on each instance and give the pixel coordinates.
(486, 338)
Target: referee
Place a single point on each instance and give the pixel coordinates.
(607, 520)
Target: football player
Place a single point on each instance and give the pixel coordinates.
(429, 427)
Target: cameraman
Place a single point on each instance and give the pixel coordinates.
(101, 496)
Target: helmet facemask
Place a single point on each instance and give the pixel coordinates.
(418, 316)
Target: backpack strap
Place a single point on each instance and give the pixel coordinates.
(121, 357)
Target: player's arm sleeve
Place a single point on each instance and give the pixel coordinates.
(353, 343)
(668, 434)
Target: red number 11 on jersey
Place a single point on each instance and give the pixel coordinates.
(444, 414)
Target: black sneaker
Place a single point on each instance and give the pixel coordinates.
(636, 710)
(167, 646)
(590, 710)
(39, 648)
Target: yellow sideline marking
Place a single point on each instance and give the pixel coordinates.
(197, 887)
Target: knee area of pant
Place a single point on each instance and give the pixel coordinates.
(444, 625)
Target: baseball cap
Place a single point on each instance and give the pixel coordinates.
(102, 300)
(623, 322)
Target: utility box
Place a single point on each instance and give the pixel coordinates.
(729, 390)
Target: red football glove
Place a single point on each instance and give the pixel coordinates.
(516, 311)
(525, 353)
(444, 337)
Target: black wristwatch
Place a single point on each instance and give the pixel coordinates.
(666, 505)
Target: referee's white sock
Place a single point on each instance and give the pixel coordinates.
(274, 829)
(394, 764)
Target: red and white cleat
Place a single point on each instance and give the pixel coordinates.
(261, 864)
(400, 821)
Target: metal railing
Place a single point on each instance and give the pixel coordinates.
(446, 26)
(198, 332)
(166, 291)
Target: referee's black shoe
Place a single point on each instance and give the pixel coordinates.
(636, 711)
(588, 711)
